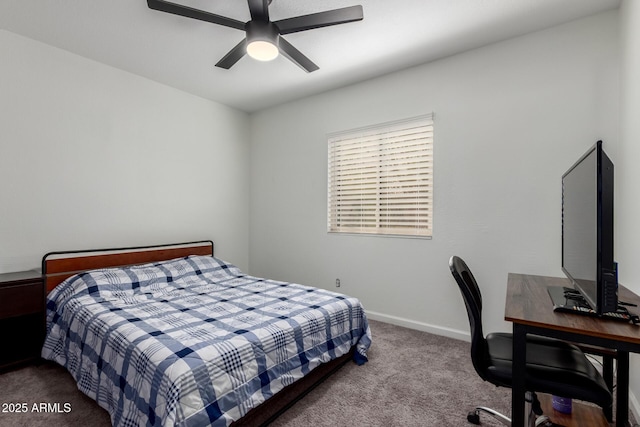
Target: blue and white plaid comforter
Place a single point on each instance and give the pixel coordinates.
(193, 341)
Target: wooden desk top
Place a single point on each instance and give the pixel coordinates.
(529, 303)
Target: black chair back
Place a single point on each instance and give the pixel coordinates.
(473, 301)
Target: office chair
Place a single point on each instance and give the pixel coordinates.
(553, 366)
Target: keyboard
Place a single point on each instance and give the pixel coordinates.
(568, 300)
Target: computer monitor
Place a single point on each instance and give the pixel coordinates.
(587, 229)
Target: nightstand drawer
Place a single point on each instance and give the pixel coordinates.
(21, 300)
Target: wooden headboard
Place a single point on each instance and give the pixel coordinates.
(58, 266)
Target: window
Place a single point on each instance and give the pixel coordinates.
(381, 179)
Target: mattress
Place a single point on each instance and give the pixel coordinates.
(194, 341)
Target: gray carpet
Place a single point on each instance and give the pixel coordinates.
(412, 379)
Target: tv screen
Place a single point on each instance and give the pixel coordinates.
(587, 229)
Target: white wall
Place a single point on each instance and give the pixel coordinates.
(510, 118)
(627, 206)
(91, 156)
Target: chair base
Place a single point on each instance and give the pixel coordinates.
(534, 414)
(540, 421)
(474, 416)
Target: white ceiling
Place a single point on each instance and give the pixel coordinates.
(181, 52)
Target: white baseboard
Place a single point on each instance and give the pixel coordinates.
(420, 326)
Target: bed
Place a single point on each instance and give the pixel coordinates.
(172, 336)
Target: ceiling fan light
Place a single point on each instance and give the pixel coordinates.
(262, 40)
(262, 50)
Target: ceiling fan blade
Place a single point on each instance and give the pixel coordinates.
(189, 12)
(295, 56)
(233, 56)
(320, 19)
(259, 9)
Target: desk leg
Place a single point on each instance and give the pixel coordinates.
(622, 389)
(518, 373)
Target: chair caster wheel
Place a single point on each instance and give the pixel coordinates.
(544, 421)
(473, 417)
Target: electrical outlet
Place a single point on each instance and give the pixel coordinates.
(337, 283)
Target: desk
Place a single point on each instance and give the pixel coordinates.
(528, 306)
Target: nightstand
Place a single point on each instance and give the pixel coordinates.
(22, 320)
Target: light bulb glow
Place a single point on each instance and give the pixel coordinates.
(262, 50)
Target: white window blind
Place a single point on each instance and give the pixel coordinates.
(381, 179)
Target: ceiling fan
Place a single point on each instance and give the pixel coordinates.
(264, 39)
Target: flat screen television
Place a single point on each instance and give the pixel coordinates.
(587, 229)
